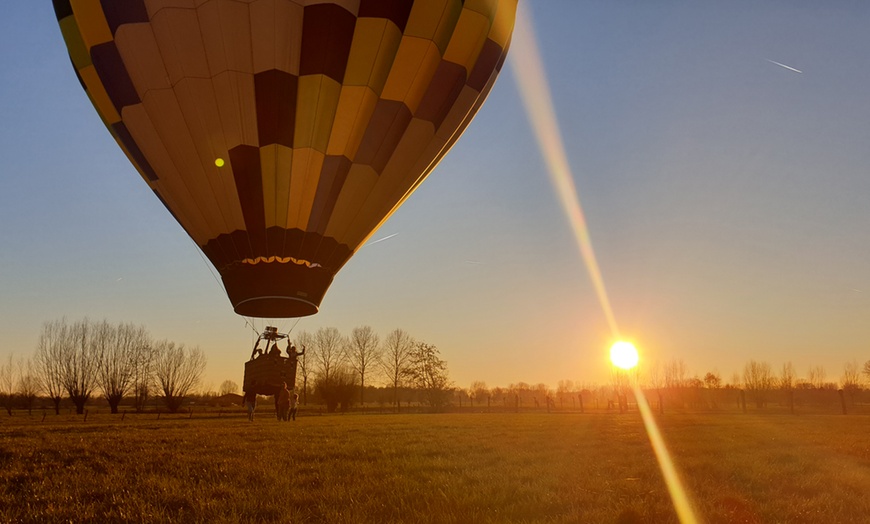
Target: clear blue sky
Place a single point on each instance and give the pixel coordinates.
(726, 198)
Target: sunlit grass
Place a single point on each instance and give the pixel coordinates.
(431, 468)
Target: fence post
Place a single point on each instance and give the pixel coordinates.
(842, 400)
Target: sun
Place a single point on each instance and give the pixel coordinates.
(623, 355)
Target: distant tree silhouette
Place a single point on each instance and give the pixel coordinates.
(337, 391)
(72, 359)
(7, 385)
(328, 351)
(428, 373)
(27, 385)
(363, 351)
(47, 360)
(177, 370)
(851, 379)
(396, 360)
(758, 380)
(305, 362)
(118, 349)
(228, 387)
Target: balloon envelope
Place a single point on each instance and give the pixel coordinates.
(281, 133)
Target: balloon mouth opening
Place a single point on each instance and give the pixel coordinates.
(275, 307)
(275, 289)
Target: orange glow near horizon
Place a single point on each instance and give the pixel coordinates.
(535, 93)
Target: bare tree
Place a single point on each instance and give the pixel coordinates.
(758, 378)
(363, 351)
(712, 381)
(79, 363)
(787, 377)
(736, 381)
(142, 380)
(867, 369)
(851, 379)
(395, 360)
(47, 360)
(675, 378)
(478, 390)
(177, 370)
(329, 351)
(816, 376)
(305, 340)
(428, 373)
(119, 348)
(228, 387)
(656, 381)
(675, 374)
(7, 385)
(28, 384)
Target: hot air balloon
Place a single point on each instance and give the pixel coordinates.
(281, 134)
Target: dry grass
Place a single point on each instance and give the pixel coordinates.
(430, 468)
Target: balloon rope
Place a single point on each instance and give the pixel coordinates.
(209, 266)
(249, 324)
(294, 326)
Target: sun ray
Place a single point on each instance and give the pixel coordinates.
(534, 90)
(535, 93)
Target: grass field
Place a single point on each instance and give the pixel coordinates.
(494, 467)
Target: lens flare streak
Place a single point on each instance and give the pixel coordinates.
(675, 487)
(535, 92)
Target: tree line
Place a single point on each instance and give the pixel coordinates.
(338, 369)
(671, 383)
(83, 359)
(115, 361)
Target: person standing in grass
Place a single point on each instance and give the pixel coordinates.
(250, 401)
(282, 400)
(294, 405)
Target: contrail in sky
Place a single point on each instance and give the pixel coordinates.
(373, 242)
(783, 65)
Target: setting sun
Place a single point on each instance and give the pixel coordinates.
(623, 355)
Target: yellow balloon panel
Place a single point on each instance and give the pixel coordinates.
(317, 100)
(375, 44)
(92, 23)
(355, 107)
(276, 162)
(471, 32)
(434, 20)
(413, 69)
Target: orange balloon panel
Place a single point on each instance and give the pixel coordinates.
(281, 133)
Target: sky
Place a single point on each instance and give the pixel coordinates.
(725, 196)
